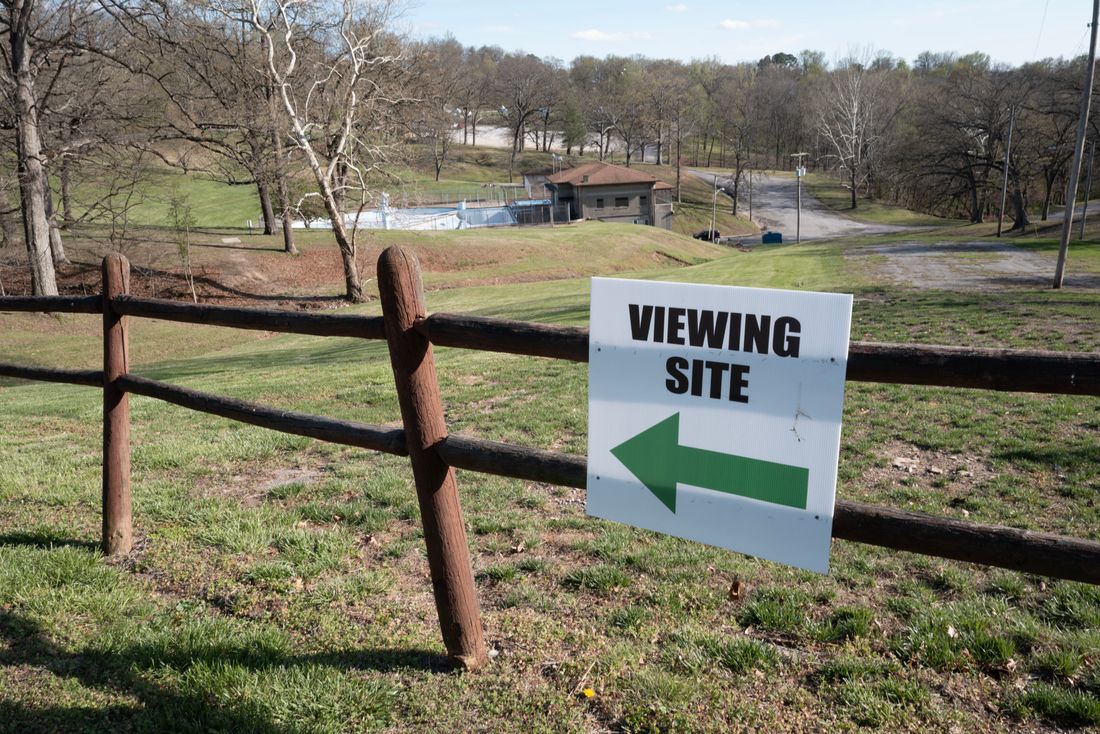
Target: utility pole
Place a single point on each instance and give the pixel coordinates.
(713, 207)
(1088, 189)
(1079, 148)
(1004, 183)
(799, 172)
(750, 194)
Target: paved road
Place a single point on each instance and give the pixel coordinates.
(775, 207)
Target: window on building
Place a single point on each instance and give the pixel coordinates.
(622, 202)
(599, 203)
(643, 202)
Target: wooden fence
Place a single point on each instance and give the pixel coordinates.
(434, 454)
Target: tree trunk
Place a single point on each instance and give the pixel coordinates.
(736, 189)
(852, 179)
(975, 203)
(1019, 209)
(265, 207)
(32, 174)
(1049, 181)
(57, 247)
(66, 194)
(281, 184)
(517, 140)
(353, 291)
(288, 219)
(7, 226)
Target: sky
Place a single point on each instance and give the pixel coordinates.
(1010, 31)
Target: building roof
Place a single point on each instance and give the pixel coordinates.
(598, 173)
(662, 186)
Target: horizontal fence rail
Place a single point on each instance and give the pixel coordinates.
(91, 378)
(1017, 370)
(363, 435)
(52, 304)
(292, 322)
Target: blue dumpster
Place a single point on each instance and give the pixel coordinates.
(772, 238)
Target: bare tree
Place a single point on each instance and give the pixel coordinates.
(734, 103)
(431, 120)
(30, 32)
(524, 85)
(853, 118)
(216, 87)
(628, 108)
(324, 99)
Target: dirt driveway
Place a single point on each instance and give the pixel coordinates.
(966, 266)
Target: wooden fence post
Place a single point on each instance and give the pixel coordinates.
(117, 521)
(414, 373)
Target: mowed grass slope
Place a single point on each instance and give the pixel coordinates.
(279, 584)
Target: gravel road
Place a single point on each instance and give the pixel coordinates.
(775, 207)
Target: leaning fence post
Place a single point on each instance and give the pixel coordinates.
(117, 520)
(414, 373)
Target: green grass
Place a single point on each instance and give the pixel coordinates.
(280, 584)
(214, 203)
(832, 192)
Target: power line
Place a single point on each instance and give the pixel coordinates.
(1080, 42)
(1043, 22)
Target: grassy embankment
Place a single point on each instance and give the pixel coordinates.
(280, 585)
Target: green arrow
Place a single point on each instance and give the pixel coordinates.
(657, 459)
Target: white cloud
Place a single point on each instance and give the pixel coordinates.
(741, 25)
(677, 8)
(593, 34)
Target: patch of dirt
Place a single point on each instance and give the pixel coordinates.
(966, 266)
(234, 275)
(668, 259)
(252, 488)
(952, 475)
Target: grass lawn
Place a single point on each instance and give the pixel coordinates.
(831, 192)
(279, 584)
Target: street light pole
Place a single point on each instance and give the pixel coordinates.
(799, 172)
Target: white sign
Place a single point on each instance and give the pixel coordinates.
(800, 171)
(714, 413)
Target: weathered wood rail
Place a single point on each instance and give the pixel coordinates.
(434, 453)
